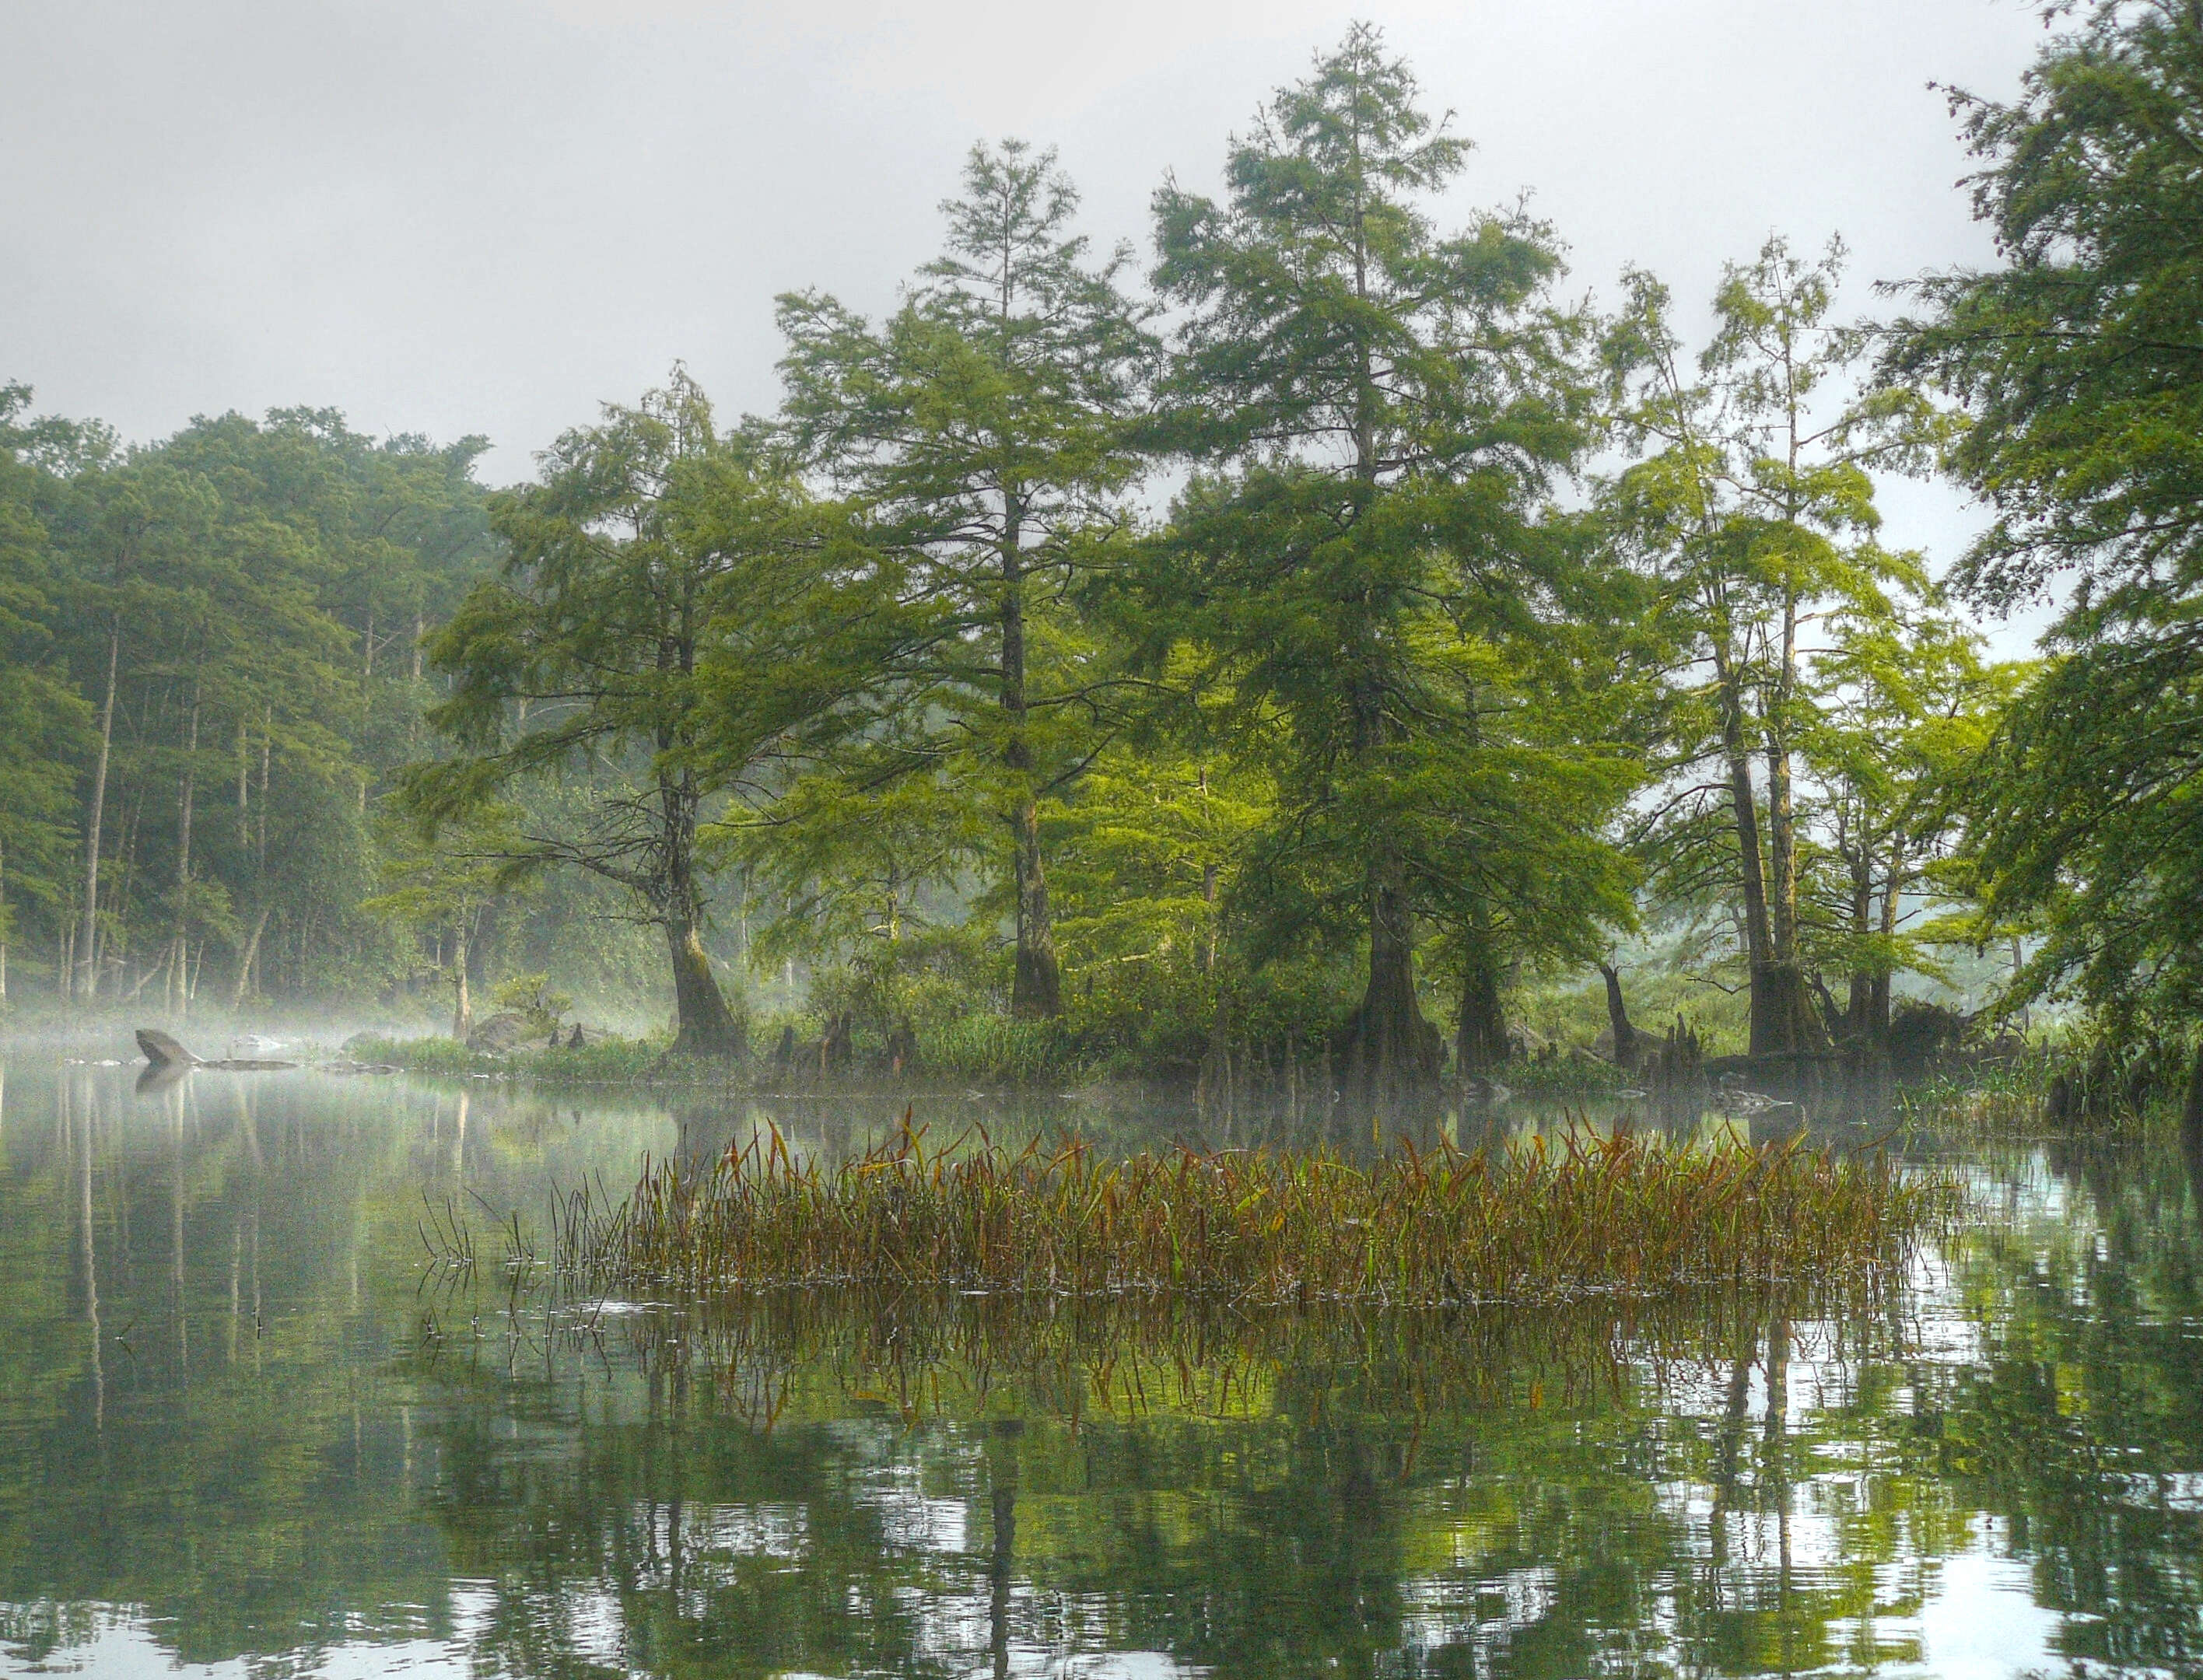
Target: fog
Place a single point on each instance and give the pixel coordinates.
(489, 215)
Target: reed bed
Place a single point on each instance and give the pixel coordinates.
(1544, 1220)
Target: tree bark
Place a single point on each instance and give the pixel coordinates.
(245, 962)
(2191, 1127)
(463, 1012)
(184, 802)
(1767, 1033)
(1388, 1051)
(87, 941)
(705, 1025)
(1791, 1008)
(708, 1027)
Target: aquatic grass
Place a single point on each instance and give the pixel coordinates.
(606, 1059)
(997, 1049)
(2017, 1101)
(1546, 1220)
(1572, 1073)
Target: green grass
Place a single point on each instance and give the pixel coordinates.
(997, 1050)
(1564, 1076)
(604, 1060)
(1541, 1221)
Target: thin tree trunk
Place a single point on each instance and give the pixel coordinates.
(87, 941)
(1787, 973)
(1878, 995)
(245, 962)
(463, 1012)
(260, 841)
(1036, 984)
(1859, 1003)
(183, 849)
(1766, 1034)
(244, 769)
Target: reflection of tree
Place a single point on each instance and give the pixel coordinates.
(1739, 1488)
(2082, 1426)
(242, 1470)
(1349, 1495)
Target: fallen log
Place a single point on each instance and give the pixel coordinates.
(163, 1051)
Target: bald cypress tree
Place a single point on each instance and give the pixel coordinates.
(1376, 411)
(983, 430)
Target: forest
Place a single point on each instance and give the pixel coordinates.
(1331, 638)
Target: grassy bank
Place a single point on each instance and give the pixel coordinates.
(1587, 1216)
(605, 1060)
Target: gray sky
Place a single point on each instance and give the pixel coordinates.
(488, 215)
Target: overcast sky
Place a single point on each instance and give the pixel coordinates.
(488, 215)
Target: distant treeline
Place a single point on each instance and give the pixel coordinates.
(1488, 636)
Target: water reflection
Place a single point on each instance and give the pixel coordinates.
(241, 1425)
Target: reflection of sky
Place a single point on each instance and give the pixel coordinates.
(1983, 1622)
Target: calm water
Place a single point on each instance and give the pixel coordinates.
(244, 1431)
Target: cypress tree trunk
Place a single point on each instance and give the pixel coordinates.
(1388, 1049)
(1767, 1032)
(706, 1027)
(1791, 1008)
(1859, 1002)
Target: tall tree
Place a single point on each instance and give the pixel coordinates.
(2079, 362)
(1755, 510)
(47, 721)
(1380, 411)
(648, 541)
(984, 430)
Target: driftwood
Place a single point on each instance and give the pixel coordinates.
(164, 1051)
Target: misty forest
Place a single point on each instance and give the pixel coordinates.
(1338, 640)
(1286, 944)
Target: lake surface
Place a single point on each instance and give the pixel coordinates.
(250, 1426)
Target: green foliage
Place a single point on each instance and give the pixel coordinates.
(199, 671)
(531, 997)
(911, 692)
(604, 1059)
(989, 1049)
(2074, 362)
(652, 545)
(1367, 565)
(983, 433)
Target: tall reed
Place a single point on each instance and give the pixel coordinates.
(1537, 1222)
